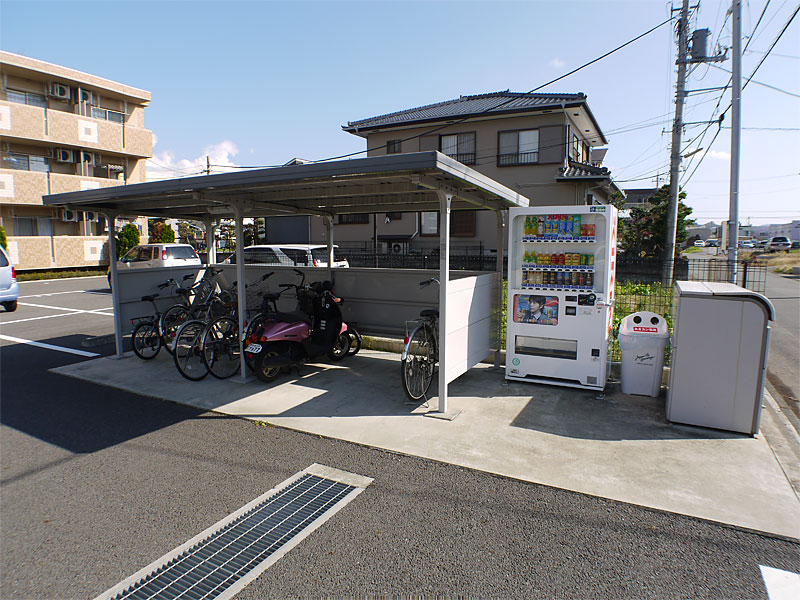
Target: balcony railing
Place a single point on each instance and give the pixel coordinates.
(465, 158)
(517, 158)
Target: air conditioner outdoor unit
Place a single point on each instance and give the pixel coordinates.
(70, 215)
(89, 215)
(87, 96)
(63, 155)
(60, 91)
(87, 158)
(397, 248)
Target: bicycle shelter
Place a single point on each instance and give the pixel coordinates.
(469, 305)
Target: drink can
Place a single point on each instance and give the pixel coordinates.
(590, 230)
(540, 228)
(576, 226)
(575, 278)
(554, 259)
(590, 260)
(561, 259)
(582, 279)
(589, 279)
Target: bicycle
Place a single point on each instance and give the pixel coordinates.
(209, 342)
(420, 352)
(195, 303)
(148, 337)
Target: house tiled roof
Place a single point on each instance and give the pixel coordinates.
(466, 106)
(576, 170)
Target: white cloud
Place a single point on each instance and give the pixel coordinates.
(719, 155)
(164, 165)
(557, 63)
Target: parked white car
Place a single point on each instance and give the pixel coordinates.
(288, 255)
(779, 242)
(147, 256)
(699, 244)
(9, 289)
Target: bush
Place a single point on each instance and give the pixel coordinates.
(162, 233)
(3, 239)
(127, 238)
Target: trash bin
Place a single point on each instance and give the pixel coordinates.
(643, 338)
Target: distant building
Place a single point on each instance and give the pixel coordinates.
(790, 230)
(64, 131)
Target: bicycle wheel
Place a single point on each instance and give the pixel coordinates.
(221, 347)
(171, 321)
(188, 353)
(341, 348)
(145, 340)
(416, 371)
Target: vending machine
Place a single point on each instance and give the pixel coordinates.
(561, 263)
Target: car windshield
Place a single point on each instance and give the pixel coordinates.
(181, 252)
(321, 255)
(131, 254)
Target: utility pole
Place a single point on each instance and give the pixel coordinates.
(208, 166)
(675, 155)
(736, 138)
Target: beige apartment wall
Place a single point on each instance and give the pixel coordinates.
(27, 187)
(138, 141)
(26, 122)
(60, 183)
(136, 117)
(45, 252)
(136, 171)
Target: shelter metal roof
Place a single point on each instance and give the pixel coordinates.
(391, 183)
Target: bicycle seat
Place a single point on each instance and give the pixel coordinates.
(148, 298)
(429, 312)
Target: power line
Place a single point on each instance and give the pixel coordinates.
(766, 85)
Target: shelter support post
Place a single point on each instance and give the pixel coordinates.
(500, 215)
(111, 219)
(329, 231)
(241, 293)
(211, 240)
(445, 200)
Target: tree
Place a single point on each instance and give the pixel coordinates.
(3, 239)
(127, 238)
(161, 233)
(645, 233)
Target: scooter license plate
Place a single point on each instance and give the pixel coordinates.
(253, 348)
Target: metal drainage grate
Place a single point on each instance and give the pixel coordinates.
(225, 557)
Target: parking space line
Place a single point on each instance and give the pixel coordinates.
(67, 292)
(8, 338)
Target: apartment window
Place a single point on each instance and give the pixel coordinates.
(518, 147)
(27, 98)
(26, 226)
(354, 219)
(393, 146)
(394, 216)
(25, 162)
(108, 115)
(460, 146)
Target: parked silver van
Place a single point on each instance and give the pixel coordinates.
(288, 255)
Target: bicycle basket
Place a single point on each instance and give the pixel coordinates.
(202, 293)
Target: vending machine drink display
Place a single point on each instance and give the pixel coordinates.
(560, 294)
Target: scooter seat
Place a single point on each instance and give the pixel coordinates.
(291, 317)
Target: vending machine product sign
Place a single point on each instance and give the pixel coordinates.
(561, 264)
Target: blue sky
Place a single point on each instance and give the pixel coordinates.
(259, 83)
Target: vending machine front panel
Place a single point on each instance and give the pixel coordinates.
(560, 297)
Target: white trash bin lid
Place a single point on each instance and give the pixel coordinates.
(644, 323)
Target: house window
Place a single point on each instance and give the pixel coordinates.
(393, 146)
(108, 115)
(25, 162)
(460, 146)
(429, 223)
(354, 219)
(394, 216)
(27, 98)
(462, 223)
(107, 171)
(575, 153)
(518, 148)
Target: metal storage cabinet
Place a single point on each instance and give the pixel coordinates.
(719, 356)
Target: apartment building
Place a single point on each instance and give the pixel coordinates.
(62, 130)
(549, 147)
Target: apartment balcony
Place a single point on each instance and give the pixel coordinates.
(28, 187)
(60, 128)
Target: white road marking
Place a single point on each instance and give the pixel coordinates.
(8, 338)
(69, 314)
(59, 293)
(781, 585)
(75, 310)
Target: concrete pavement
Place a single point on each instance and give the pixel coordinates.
(616, 446)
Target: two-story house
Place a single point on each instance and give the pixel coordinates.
(546, 146)
(62, 130)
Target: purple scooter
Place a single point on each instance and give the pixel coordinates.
(290, 339)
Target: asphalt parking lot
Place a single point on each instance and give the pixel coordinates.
(97, 483)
